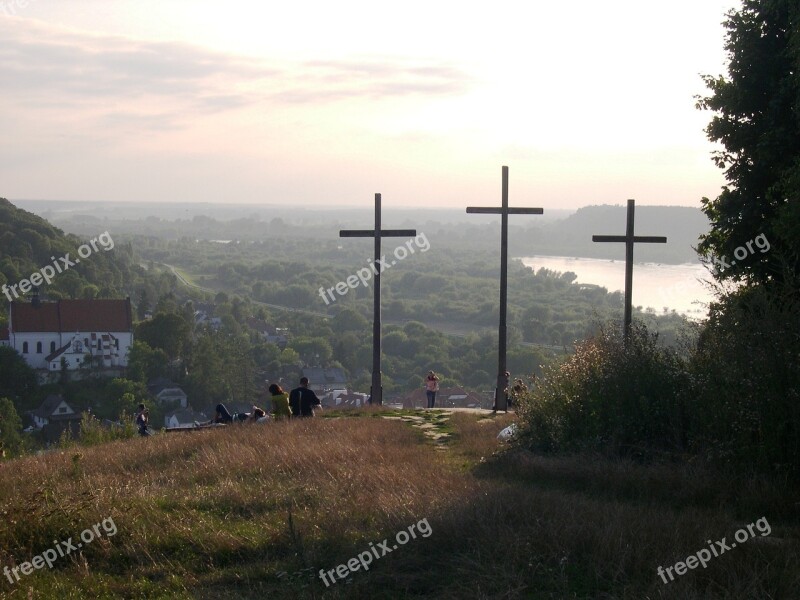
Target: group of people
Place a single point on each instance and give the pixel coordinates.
(512, 393)
(300, 402)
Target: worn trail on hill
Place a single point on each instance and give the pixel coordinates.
(431, 426)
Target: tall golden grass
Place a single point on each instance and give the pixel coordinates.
(256, 511)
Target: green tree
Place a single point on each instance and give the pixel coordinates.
(205, 383)
(17, 379)
(11, 441)
(313, 350)
(143, 307)
(757, 121)
(145, 363)
(349, 320)
(167, 331)
(289, 358)
(90, 291)
(128, 404)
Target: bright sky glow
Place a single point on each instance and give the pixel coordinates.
(327, 103)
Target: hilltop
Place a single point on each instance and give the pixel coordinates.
(256, 512)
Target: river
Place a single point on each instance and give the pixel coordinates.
(677, 287)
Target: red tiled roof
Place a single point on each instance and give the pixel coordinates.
(24, 317)
(67, 316)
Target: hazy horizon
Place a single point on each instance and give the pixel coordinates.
(313, 103)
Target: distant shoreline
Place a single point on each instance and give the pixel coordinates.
(605, 260)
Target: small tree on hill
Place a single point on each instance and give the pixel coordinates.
(11, 441)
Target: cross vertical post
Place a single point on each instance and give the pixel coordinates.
(376, 390)
(629, 239)
(501, 401)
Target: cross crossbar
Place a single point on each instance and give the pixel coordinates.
(490, 210)
(646, 239)
(383, 232)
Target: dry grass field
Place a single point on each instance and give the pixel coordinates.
(257, 511)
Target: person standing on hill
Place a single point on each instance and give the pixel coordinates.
(517, 392)
(280, 402)
(303, 400)
(505, 379)
(143, 420)
(431, 387)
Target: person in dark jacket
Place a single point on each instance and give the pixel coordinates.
(143, 421)
(303, 400)
(222, 416)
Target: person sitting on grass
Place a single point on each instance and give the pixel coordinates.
(280, 402)
(222, 416)
(303, 400)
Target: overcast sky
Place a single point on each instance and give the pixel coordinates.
(302, 102)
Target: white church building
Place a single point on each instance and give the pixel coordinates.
(68, 332)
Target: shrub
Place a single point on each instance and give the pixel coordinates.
(626, 398)
(748, 367)
(93, 432)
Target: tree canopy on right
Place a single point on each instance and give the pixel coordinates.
(757, 122)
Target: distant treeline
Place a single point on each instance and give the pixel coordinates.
(529, 235)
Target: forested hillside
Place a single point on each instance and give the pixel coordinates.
(28, 243)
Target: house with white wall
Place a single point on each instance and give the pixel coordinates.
(184, 417)
(322, 381)
(45, 332)
(165, 391)
(53, 409)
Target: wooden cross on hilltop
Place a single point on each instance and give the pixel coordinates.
(376, 391)
(629, 239)
(501, 401)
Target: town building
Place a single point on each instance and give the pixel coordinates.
(69, 333)
(165, 391)
(323, 381)
(54, 408)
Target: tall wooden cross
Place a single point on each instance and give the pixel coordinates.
(376, 392)
(629, 239)
(501, 401)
